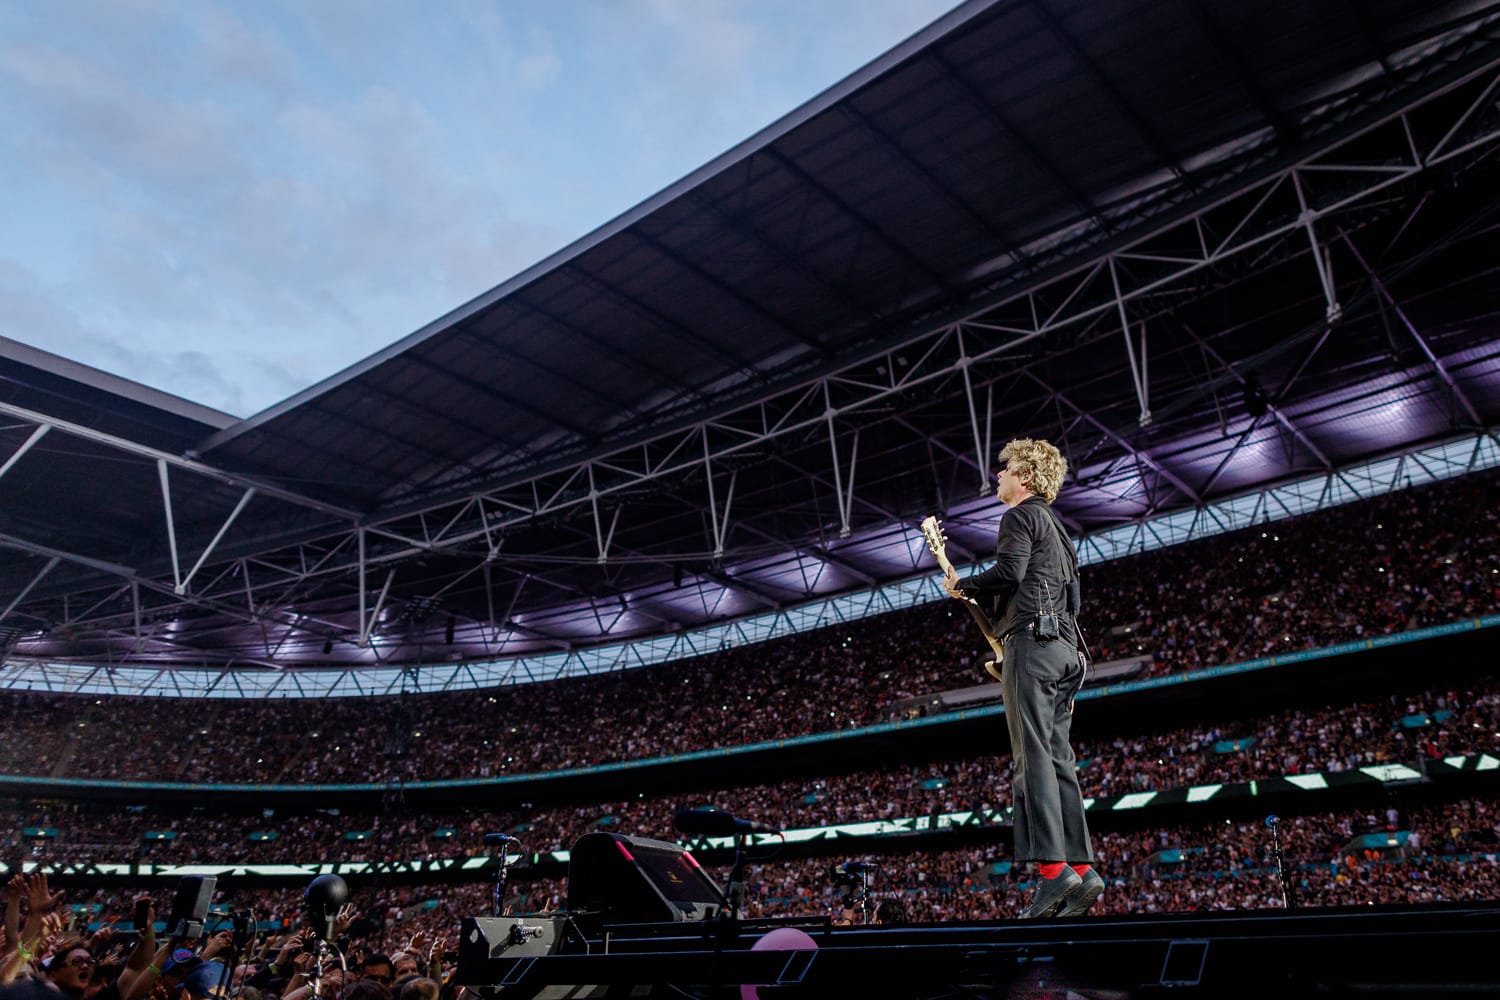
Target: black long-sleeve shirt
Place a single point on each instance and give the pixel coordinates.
(1035, 569)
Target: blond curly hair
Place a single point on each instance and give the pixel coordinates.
(1038, 464)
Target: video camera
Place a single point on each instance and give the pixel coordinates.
(190, 906)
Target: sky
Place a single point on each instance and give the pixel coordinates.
(233, 201)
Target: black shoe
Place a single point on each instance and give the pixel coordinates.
(1080, 899)
(1052, 895)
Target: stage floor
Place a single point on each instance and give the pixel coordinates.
(1409, 951)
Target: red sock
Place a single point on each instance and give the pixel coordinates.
(1081, 870)
(1050, 869)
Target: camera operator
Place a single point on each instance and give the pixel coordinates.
(281, 968)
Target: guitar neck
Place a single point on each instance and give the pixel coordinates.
(983, 621)
(931, 531)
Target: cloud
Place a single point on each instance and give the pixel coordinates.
(539, 65)
(36, 316)
(87, 110)
(249, 198)
(233, 50)
(356, 230)
(713, 40)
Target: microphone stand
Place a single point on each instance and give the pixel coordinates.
(1288, 899)
(226, 972)
(315, 974)
(712, 823)
(864, 896)
(502, 841)
(736, 892)
(325, 897)
(321, 950)
(858, 897)
(499, 902)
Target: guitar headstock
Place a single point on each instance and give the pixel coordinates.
(932, 531)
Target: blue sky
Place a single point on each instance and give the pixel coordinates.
(231, 202)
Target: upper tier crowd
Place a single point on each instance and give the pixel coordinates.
(1412, 558)
(1405, 728)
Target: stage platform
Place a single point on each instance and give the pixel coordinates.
(1443, 949)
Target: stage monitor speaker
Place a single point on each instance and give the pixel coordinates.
(489, 946)
(190, 905)
(627, 880)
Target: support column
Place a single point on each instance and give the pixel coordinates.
(1320, 254)
(166, 502)
(1138, 368)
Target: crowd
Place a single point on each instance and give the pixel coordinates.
(1407, 559)
(1439, 853)
(1404, 728)
(389, 950)
(1222, 866)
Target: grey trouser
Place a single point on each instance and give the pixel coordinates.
(1040, 680)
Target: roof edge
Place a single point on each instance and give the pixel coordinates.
(118, 385)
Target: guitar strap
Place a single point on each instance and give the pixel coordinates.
(1074, 598)
(1075, 593)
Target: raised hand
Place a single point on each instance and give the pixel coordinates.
(14, 890)
(51, 926)
(347, 915)
(143, 912)
(103, 936)
(292, 948)
(40, 905)
(421, 945)
(217, 943)
(38, 899)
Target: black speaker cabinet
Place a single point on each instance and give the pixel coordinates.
(629, 880)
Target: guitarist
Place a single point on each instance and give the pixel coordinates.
(1034, 596)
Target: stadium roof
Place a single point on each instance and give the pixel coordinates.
(1204, 246)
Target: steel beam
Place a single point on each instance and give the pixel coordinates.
(178, 462)
(1416, 335)
(1321, 260)
(1275, 411)
(1140, 456)
(46, 568)
(1249, 208)
(1451, 458)
(1138, 376)
(36, 435)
